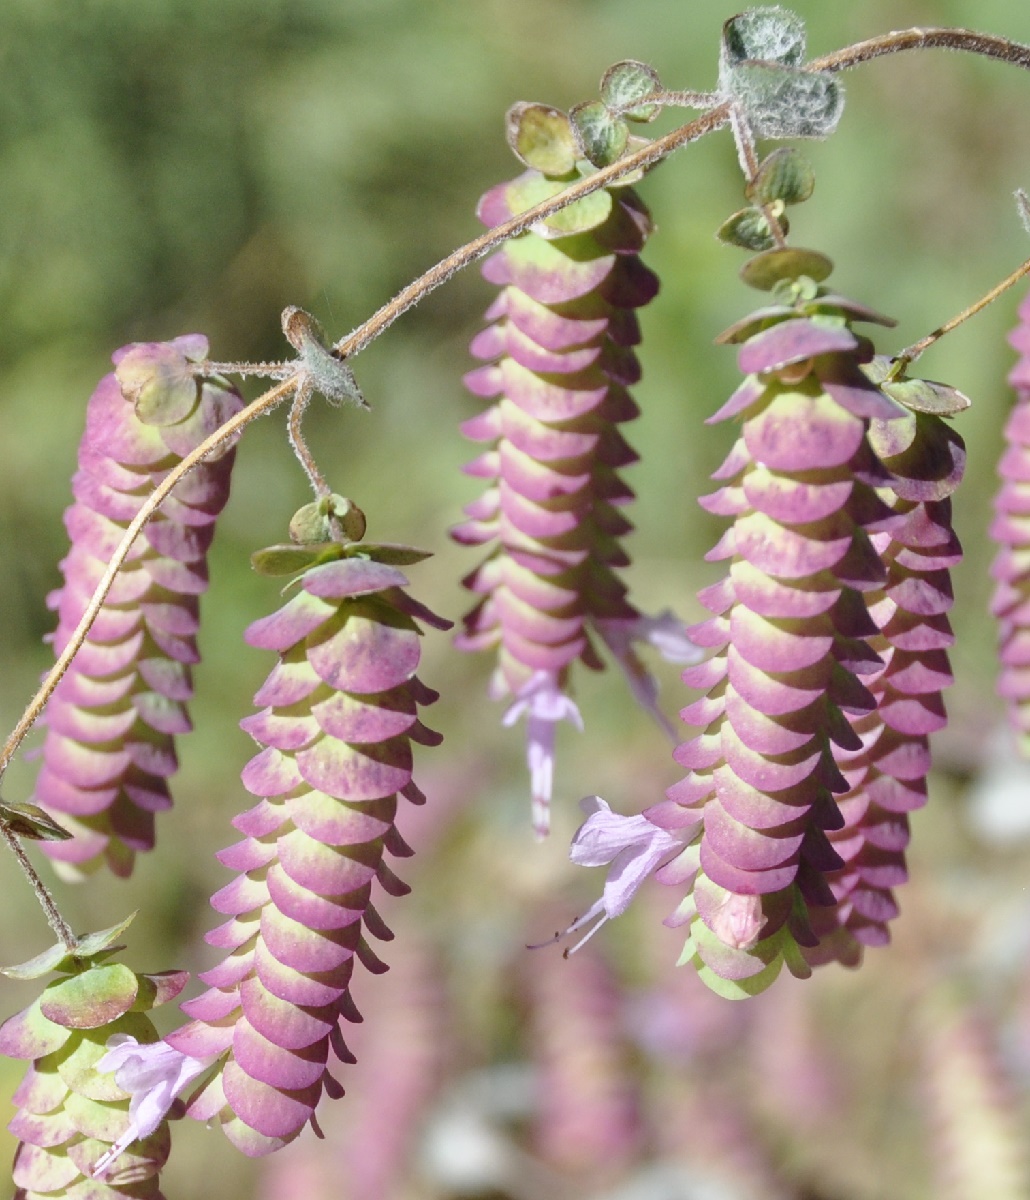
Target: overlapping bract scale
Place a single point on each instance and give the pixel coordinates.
(1011, 530)
(790, 630)
(341, 712)
(887, 773)
(113, 719)
(558, 360)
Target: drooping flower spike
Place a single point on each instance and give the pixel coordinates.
(789, 630)
(887, 773)
(81, 1130)
(113, 718)
(340, 714)
(558, 361)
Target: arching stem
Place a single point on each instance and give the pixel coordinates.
(54, 919)
(891, 43)
(909, 355)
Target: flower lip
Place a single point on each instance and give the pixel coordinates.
(633, 847)
(544, 704)
(153, 1074)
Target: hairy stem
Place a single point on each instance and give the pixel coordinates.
(747, 156)
(851, 56)
(53, 677)
(911, 353)
(300, 446)
(54, 919)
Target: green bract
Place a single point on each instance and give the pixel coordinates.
(542, 138)
(623, 84)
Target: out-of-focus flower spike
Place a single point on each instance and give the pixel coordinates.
(558, 358)
(886, 770)
(84, 1128)
(977, 1138)
(341, 714)
(586, 1115)
(113, 718)
(1011, 530)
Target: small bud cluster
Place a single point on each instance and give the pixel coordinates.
(113, 718)
(340, 713)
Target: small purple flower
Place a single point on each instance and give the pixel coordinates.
(558, 361)
(543, 704)
(113, 719)
(667, 634)
(631, 847)
(153, 1074)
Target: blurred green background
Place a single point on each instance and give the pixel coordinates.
(177, 165)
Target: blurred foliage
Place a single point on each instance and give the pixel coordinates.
(177, 165)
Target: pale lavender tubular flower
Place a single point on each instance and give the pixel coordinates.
(558, 361)
(1011, 530)
(341, 712)
(789, 630)
(113, 718)
(887, 773)
(82, 1132)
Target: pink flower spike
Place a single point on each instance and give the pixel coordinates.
(153, 1074)
(544, 704)
(668, 635)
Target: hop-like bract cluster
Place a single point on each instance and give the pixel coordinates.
(887, 774)
(71, 1109)
(558, 360)
(790, 630)
(1011, 530)
(113, 718)
(338, 719)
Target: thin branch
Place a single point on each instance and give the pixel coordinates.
(53, 677)
(909, 355)
(54, 919)
(465, 255)
(984, 44)
(891, 43)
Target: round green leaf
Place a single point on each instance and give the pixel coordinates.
(603, 138)
(786, 175)
(96, 997)
(927, 396)
(749, 229)
(392, 555)
(542, 138)
(782, 102)
(764, 271)
(625, 83)
(771, 34)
